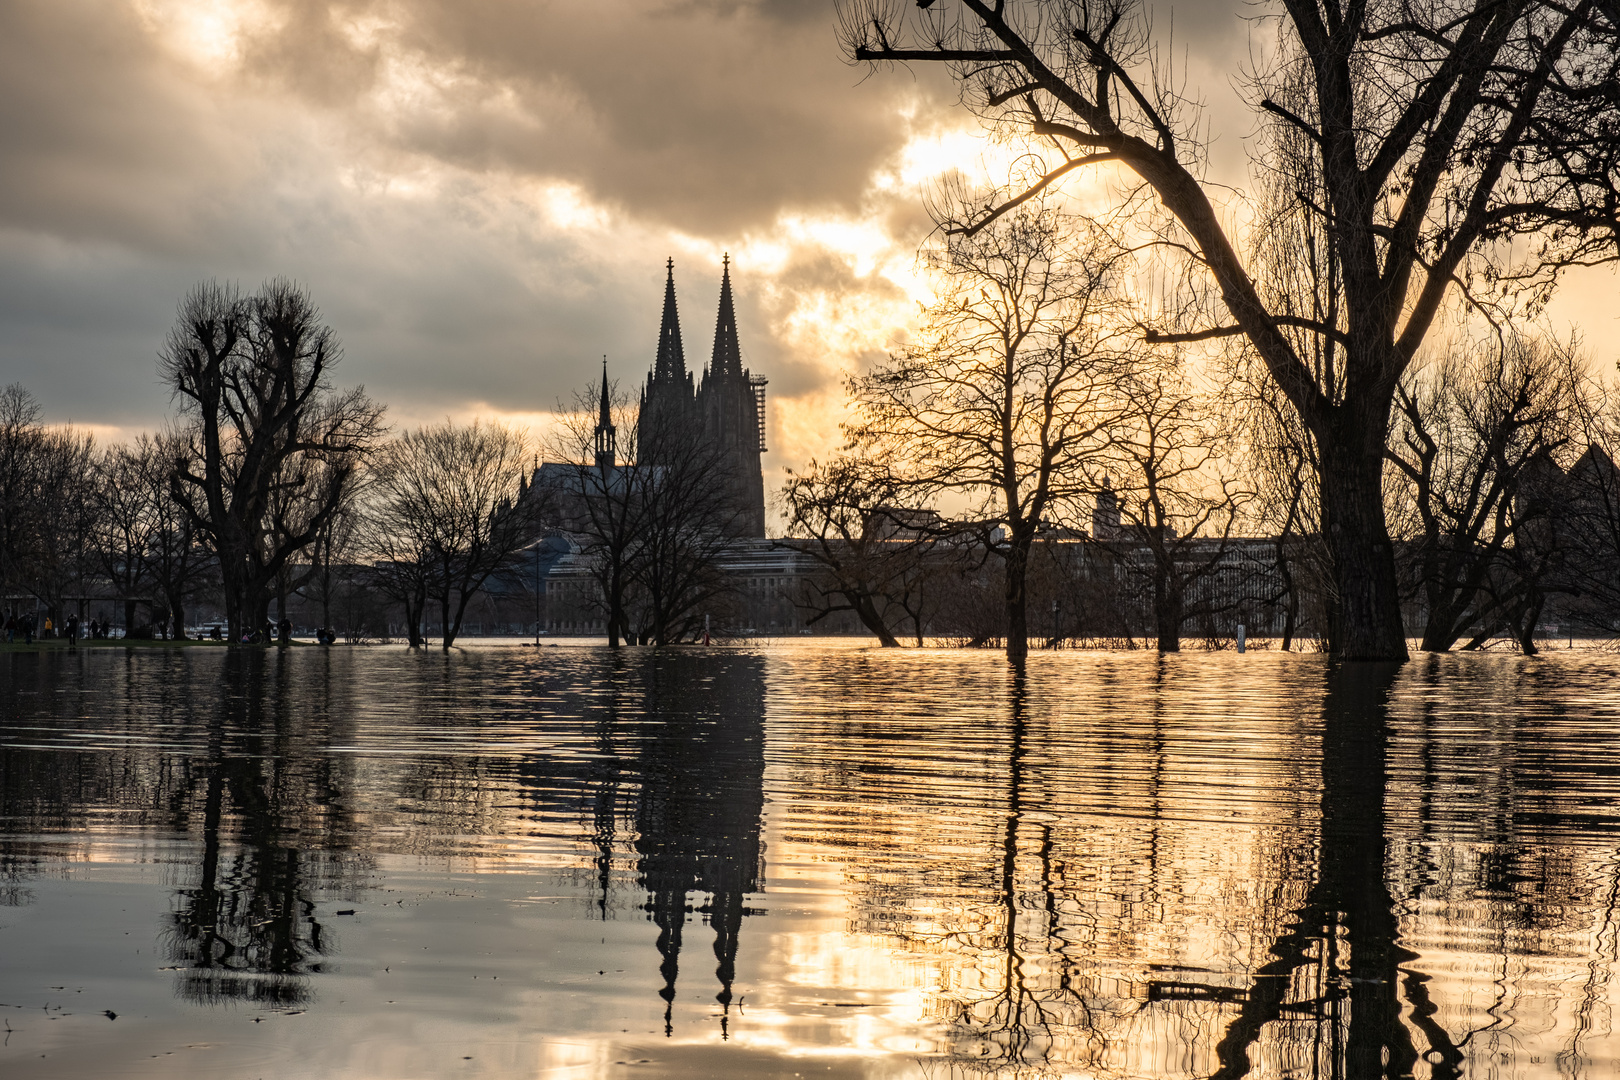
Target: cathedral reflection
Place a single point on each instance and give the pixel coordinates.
(654, 763)
(702, 771)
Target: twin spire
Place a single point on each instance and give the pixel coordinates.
(727, 356)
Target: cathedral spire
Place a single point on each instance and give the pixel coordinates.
(671, 364)
(607, 448)
(727, 359)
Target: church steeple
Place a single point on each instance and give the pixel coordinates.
(671, 364)
(607, 449)
(727, 358)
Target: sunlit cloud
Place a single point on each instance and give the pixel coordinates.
(207, 35)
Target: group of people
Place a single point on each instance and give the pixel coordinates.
(26, 624)
(22, 623)
(280, 633)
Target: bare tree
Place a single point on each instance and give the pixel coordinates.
(47, 504)
(59, 555)
(1421, 140)
(272, 446)
(874, 555)
(120, 534)
(144, 540)
(177, 561)
(329, 573)
(1011, 389)
(1468, 433)
(1179, 502)
(600, 495)
(21, 436)
(687, 516)
(449, 516)
(1576, 512)
(398, 539)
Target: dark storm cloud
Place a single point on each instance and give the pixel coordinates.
(707, 116)
(135, 164)
(392, 155)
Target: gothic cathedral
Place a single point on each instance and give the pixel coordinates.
(723, 414)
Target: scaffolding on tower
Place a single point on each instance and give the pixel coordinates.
(757, 383)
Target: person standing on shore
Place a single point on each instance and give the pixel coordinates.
(72, 628)
(27, 627)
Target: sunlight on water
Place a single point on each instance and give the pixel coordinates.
(806, 859)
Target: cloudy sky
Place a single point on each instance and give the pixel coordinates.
(481, 194)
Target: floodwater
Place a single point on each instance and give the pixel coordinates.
(806, 860)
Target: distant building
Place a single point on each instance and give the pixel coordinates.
(725, 411)
(721, 417)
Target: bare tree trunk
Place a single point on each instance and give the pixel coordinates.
(1366, 622)
(1527, 626)
(1017, 597)
(444, 620)
(1167, 611)
(1290, 595)
(615, 610)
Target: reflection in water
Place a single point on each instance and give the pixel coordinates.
(1200, 866)
(246, 926)
(1263, 892)
(698, 815)
(676, 764)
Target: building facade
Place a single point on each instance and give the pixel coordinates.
(720, 417)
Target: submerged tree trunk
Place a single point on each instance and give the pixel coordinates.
(415, 611)
(1366, 621)
(1527, 626)
(1018, 597)
(1167, 611)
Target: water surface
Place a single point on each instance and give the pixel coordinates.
(805, 860)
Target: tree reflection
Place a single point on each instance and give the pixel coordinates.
(1169, 936)
(1335, 981)
(272, 834)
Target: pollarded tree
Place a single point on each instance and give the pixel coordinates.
(1012, 386)
(1438, 148)
(272, 447)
